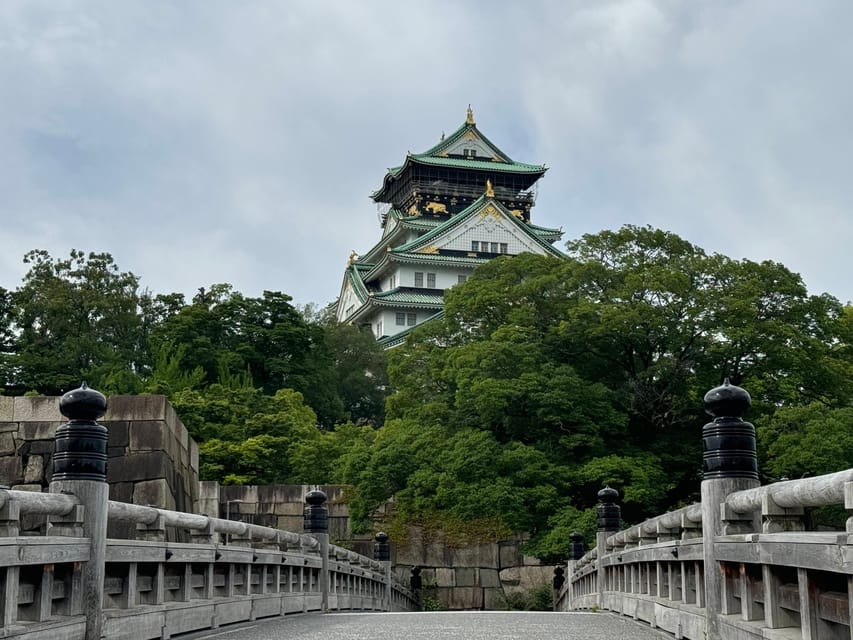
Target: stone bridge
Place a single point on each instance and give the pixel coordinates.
(739, 565)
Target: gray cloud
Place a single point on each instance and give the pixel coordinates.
(213, 141)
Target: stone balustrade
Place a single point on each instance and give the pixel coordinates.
(739, 565)
(156, 589)
(62, 578)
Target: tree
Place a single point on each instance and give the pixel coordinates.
(598, 363)
(75, 319)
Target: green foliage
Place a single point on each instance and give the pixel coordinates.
(548, 378)
(808, 440)
(73, 320)
(538, 598)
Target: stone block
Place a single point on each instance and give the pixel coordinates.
(154, 493)
(525, 578)
(282, 493)
(466, 577)
(141, 466)
(37, 409)
(7, 445)
(445, 577)
(493, 599)
(116, 452)
(465, 598)
(509, 554)
(7, 409)
(481, 555)
(38, 430)
(490, 578)
(40, 447)
(338, 510)
(9, 426)
(339, 529)
(122, 492)
(34, 471)
(147, 435)
(11, 471)
(193, 456)
(290, 523)
(244, 493)
(288, 508)
(530, 561)
(118, 433)
(132, 408)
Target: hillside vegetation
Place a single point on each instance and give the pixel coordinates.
(545, 380)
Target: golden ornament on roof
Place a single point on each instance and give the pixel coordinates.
(469, 119)
(352, 258)
(490, 192)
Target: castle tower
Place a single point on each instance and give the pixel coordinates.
(443, 212)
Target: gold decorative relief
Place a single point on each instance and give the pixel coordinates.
(430, 249)
(413, 210)
(436, 207)
(490, 210)
(517, 213)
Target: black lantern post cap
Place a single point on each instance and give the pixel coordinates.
(727, 401)
(416, 581)
(382, 548)
(577, 548)
(316, 515)
(729, 448)
(315, 497)
(80, 448)
(608, 495)
(83, 404)
(609, 513)
(559, 578)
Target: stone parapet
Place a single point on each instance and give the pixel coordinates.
(152, 459)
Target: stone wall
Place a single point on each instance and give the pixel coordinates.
(152, 459)
(279, 506)
(475, 576)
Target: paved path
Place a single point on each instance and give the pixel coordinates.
(462, 625)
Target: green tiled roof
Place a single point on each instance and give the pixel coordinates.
(434, 157)
(456, 135)
(463, 163)
(409, 297)
(546, 232)
(436, 257)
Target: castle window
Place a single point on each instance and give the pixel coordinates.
(401, 319)
(503, 247)
(469, 153)
(431, 281)
(462, 278)
(475, 246)
(411, 319)
(419, 278)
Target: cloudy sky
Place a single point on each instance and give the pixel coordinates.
(219, 141)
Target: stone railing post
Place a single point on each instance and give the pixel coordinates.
(576, 552)
(557, 585)
(316, 522)
(416, 583)
(80, 468)
(729, 465)
(609, 521)
(382, 554)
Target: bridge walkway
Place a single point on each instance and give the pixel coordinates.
(443, 625)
